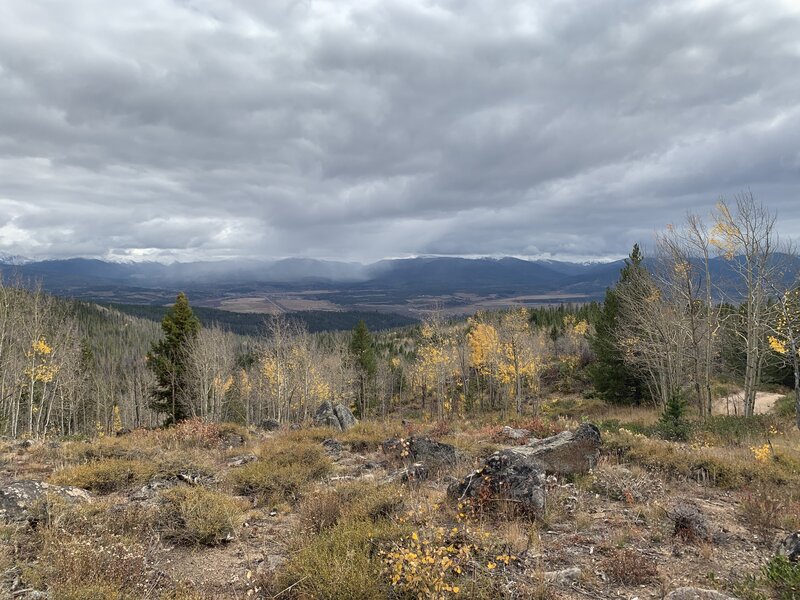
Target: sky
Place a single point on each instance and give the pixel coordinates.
(364, 129)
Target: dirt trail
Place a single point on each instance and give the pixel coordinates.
(733, 404)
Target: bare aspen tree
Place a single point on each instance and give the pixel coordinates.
(744, 235)
(210, 368)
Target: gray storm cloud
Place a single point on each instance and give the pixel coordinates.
(199, 129)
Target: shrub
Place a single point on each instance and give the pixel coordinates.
(673, 424)
(198, 516)
(629, 567)
(763, 510)
(343, 562)
(283, 471)
(354, 501)
(783, 577)
(106, 476)
(79, 567)
(688, 523)
(628, 485)
(785, 406)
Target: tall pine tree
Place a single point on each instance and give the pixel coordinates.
(612, 378)
(168, 359)
(362, 349)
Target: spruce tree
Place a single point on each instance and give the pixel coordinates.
(168, 359)
(362, 349)
(612, 378)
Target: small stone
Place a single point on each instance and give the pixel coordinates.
(563, 576)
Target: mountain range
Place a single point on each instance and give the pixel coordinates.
(409, 285)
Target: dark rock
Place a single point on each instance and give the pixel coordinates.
(344, 416)
(332, 446)
(790, 547)
(18, 498)
(431, 453)
(567, 453)
(691, 593)
(510, 478)
(270, 425)
(325, 417)
(238, 461)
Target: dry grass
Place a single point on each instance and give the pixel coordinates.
(284, 470)
(106, 476)
(198, 516)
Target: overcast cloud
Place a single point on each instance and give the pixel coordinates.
(360, 129)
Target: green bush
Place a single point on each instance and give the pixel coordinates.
(783, 577)
(673, 424)
(283, 472)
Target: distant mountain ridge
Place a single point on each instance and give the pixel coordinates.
(392, 284)
(424, 272)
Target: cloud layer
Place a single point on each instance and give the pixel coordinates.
(359, 129)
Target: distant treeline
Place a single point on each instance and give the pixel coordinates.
(255, 324)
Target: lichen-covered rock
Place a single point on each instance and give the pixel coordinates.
(567, 453)
(344, 416)
(18, 498)
(338, 417)
(434, 455)
(790, 547)
(508, 478)
(511, 433)
(325, 417)
(691, 593)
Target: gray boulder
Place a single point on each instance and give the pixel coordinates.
(692, 593)
(325, 417)
(19, 498)
(790, 547)
(508, 478)
(338, 417)
(345, 417)
(511, 433)
(567, 453)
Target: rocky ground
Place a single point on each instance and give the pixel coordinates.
(401, 510)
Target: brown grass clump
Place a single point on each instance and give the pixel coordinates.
(106, 476)
(629, 567)
(283, 472)
(78, 567)
(353, 501)
(367, 436)
(627, 485)
(198, 516)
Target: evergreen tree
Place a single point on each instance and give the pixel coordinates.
(362, 349)
(168, 357)
(612, 378)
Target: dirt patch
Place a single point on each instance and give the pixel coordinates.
(734, 404)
